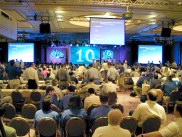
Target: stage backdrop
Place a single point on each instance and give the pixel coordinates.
(56, 55)
(84, 55)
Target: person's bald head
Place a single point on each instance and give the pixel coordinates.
(152, 94)
(115, 117)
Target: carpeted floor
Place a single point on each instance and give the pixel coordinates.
(130, 103)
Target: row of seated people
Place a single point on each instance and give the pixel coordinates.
(142, 113)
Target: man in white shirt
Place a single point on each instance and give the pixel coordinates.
(92, 99)
(148, 109)
(112, 72)
(113, 129)
(109, 86)
(174, 129)
(32, 76)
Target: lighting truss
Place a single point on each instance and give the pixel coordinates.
(40, 18)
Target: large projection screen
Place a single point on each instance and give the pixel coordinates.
(149, 53)
(107, 31)
(21, 51)
(84, 55)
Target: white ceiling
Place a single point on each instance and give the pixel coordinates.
(144, 12)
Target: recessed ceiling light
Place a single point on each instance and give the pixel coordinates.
(100, 16)
(59, 16)
(58, 11)
(59, 19)
(178, 28)
(80, 23)
(152, 16)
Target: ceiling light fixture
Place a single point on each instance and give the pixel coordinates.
(177, 28)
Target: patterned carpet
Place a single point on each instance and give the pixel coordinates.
(130, 103)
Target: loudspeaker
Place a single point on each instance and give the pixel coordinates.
(166, 32)
(45, 28)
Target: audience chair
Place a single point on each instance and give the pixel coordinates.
(18, 100)
(127, 84)
(72, 83)
(112, 98)
(99, 122)
(21, 126)
(55, 108)
(10, 113)
(48, 82)
(151, 124)
(35, 98)
(160, 95)
(50, 130)
(118, 106)
(130, 124)
(159, 86)
(28, 112)
(173, 97)
(89, 110)
(75, 127)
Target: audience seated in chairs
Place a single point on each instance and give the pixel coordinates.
(103, 109)
(66, 98)
(109, 86)
(75, 110)
(6, 131)
(173, 129)
(46, 111)
(155, 81)
(83, 93)
(58, 92)
(73, 78)
(51, 93)
(91, 99)
(112, 98)
(148, 109)
(168, 87)
(113, 129)
(138, 88)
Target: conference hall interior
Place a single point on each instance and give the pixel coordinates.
(83, 68)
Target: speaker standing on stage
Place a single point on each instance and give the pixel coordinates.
(31, 75)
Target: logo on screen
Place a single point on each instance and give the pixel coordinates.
(107, 54)
(56, 56)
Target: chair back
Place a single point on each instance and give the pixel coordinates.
(159, 86)
(35, 96)
(76, 127)
(28, 111)
(99, 122)
(129, 123)
(112, 98)
(89, 110)
(47, 127)
(151, 124)
(174, 96)
(118, 106)
(54, 108)
(20, 125)
(72, 83)
(10, 111)
(17, 96)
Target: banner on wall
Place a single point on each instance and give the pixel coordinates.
(84, 55)
(56, 55)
